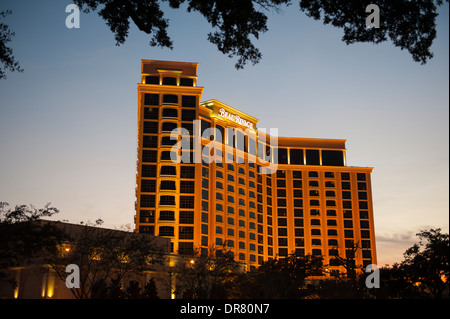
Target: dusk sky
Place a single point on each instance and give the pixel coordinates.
(68, 123)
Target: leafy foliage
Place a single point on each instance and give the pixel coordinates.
(427, 264)
(410, 25)
(105, 257)
(207, 276)
(7, 61)
(23, 237)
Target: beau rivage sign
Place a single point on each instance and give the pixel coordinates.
(235, 118)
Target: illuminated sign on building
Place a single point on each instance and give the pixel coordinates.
(235, 118)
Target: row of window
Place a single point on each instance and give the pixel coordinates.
(187, 115)
(169, 80)
(155, 100)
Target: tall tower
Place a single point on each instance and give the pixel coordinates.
(254, 194)
(168, 97)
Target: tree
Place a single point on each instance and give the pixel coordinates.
(207, 276)
(282, 277)
(105, 257)
(410, 25)
(23, 236)
(427, 264)
(7, 61)
(150, 290)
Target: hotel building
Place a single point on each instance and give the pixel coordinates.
(257, 195)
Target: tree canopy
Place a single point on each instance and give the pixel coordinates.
(7, 60)
(410, 25)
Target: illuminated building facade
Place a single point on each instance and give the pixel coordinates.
(220, 182)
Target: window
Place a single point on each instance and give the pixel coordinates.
(281, 183)
(364, 214)
(204, 126)
(281, 202)
(167, 126)
(167, 200)
(149, 156)
(348, 223)
(314, 212)
(151, 99)
(148, 186)
(168, 170)
(166, 215)
(188, 115)
(364, 224)
(297, 184)
(167, 155)
(315, 222)
(312, 157)
(331, 213)
(167, 141)
(313, 183)
(347, 204)
(187, 172)
(296, 157)
(331, 222)
(186, 82)
(148, 170)
(152, 80)
(168, 112)
(150, 141)
(170, 98)
(147, 216)
(147, 200)
(220, 135)
(282, 242)
(362, 186)
(187, 187)
(313, 174)
(331, 203)
(281, 192)
(186, 217)
(186, 201)
(332, 158)
(186, 232)
(282, 156)
(186, 248)
(345, 176)
(150, 127)
(298, 193)
(314, 193)
(151, 113)
(169, 81)
(345, 185)
(166, 231)
(314, 202)
(361, 176)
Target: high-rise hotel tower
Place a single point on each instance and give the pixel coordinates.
(217, 181)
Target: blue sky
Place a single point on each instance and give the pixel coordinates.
(68, 124)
